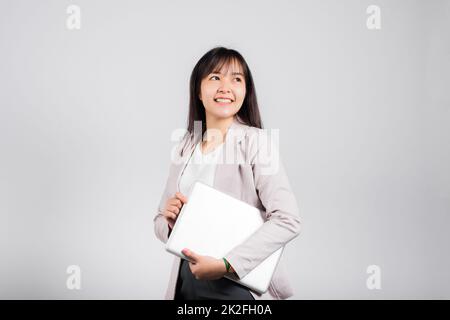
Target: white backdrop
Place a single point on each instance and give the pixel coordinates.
(86, 116)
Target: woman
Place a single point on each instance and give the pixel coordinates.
(224, 120)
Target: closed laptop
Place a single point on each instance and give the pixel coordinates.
(212, 223)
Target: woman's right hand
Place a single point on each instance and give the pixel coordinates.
(173, 208)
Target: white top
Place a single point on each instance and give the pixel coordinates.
(201, 167)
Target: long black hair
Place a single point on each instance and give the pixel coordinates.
(212, 61)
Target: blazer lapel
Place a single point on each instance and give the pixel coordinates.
(231, 142)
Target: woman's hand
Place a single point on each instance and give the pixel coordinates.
(173, 208)
(204, 267)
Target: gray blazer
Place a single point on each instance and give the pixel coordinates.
(251, 181)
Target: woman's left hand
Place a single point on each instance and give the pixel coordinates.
(205, 267)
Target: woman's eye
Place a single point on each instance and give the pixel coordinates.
(238, 79)
(214, 77)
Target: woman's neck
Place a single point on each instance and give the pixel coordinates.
(216, 130)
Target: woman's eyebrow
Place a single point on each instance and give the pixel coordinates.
(233, 73)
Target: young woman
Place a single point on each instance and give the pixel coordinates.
(224, 109)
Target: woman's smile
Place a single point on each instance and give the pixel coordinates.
(223, 101)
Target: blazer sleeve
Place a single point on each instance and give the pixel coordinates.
(281, 210)
(161, 226)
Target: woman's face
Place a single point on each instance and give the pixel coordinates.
(223, 92)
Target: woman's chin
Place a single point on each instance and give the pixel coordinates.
(223, 113)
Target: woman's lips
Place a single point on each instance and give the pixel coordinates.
(223, 101)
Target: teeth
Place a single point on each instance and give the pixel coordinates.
(223, 100)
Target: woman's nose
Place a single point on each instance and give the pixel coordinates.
(224, 90)
(224, 86)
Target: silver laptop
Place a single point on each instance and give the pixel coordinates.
(212, 223)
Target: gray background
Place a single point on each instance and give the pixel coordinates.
(86, 118)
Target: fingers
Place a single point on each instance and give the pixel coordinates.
(180, 196)
(173, 209)
(171, 223)
(190, 254)
(170, 215)
(175, 202)
(193, 271)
